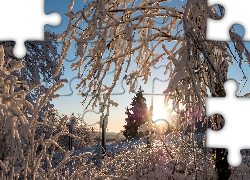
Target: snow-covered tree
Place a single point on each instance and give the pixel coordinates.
(39, 65)
(136, 115)
(19, 143)
(122, 29)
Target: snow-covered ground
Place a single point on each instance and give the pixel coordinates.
(171, 159)
(164, 155)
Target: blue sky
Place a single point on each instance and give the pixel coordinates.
(68, 103)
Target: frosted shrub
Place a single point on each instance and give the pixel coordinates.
(48, 130)
(84, 136)
(87, 135)
(19, 142)
(39, 64)
(165, 159)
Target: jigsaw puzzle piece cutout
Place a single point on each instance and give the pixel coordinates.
(71, 85)
(24, 20)
(238, 72)
(118, 90)
(149, 88)
(156, 83)
(235, 133)
(71, 55)
(160, 114)
(234, 13)
(154, 86)
(87, 119)
(74, 81)
(89, 115)
(160, 72)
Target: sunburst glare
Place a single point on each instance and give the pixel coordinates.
(159, 114)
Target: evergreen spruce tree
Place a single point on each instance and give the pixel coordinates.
(136, 115)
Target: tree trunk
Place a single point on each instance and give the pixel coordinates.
(103, 136)
(221, 164)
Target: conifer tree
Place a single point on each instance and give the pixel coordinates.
(136, 115)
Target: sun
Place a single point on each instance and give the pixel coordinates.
(159, 113)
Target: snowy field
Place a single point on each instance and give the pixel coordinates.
(139, 161)
(132, 159)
